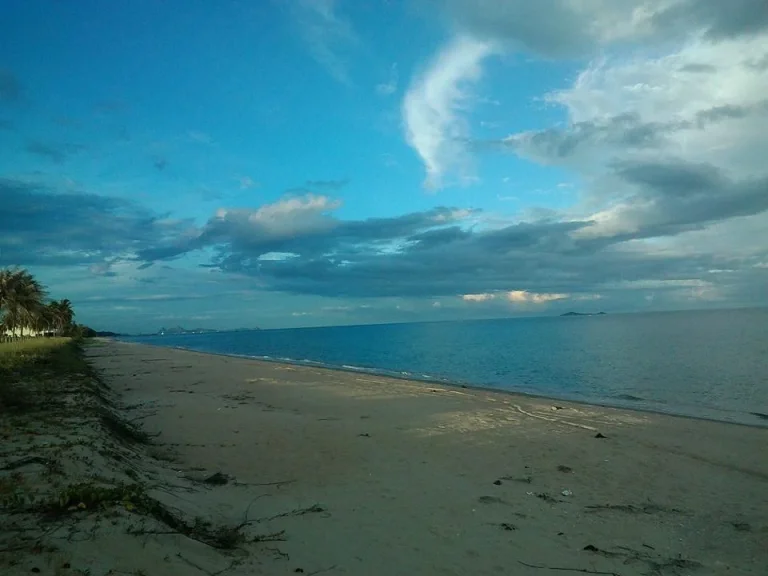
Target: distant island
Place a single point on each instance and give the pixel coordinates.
(583, 314)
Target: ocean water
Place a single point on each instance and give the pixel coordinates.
(707, 364)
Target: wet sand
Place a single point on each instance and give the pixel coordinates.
(390, 477)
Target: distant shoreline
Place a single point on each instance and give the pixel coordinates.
(761, 422)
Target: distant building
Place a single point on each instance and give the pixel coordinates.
(26, 331)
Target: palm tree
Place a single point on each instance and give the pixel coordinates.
(21, 299)
(62, 315)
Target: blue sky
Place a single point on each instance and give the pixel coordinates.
(226, 164)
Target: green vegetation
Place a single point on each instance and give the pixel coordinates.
(70, 461)
(26, 364)
(25, 310)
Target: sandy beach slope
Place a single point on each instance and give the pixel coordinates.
(375, 476)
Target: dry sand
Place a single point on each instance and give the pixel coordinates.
(375, 476)
(422, 479)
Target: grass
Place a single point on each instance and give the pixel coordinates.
(40, 357)
(23, 350)
(27, 366)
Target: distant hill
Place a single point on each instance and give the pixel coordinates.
(583, 314)
(177, 330)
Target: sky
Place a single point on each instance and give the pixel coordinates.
(234, 164)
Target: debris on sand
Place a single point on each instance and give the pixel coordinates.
(217, 479)
(522, 479)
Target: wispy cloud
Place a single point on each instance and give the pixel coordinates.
(433, 107)
(327, 34)
(246, 183)
(390, 86)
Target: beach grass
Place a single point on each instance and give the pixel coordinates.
(37, 353)
(28, 367)
(71, 458)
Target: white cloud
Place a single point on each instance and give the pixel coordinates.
(525, 297)
(433, 109)
(478, 297)
(702, 105)
(717, 116)
(284, 218)
(520, 297)
(337, 308)
(277, 256)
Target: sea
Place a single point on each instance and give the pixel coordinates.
(703, 364)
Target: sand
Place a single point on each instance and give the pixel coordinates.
(369, 475)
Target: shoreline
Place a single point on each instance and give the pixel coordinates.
(365, 474)
(760, 423)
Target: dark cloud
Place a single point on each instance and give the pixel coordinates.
(698, 68)
(617, 133)
(560, 28)
(439, 252)
(727, 112)
(244, 234)
(675, 197)
(674, 179)
(539, 257)
(54, 152)
(625, 131)
(546, 26)
(719, 19)
(10, 89)
(298, 246)
(43, 227)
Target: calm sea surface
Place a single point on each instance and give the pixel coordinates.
(711, 364)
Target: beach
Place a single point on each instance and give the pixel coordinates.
(350, 473)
